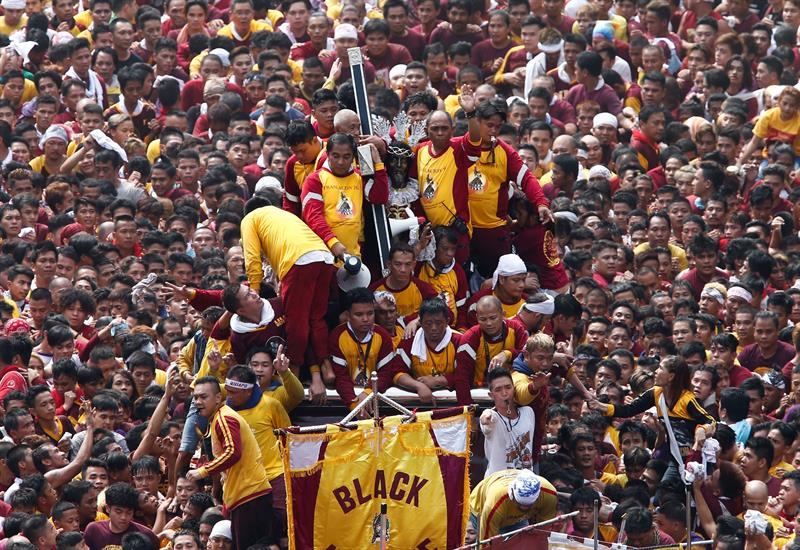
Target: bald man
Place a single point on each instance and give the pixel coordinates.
(484, 92)
(346, 121)
(756, 497)
(562, 145)
(594, 151)
(441, 166)
(492, 343)
(57, 287)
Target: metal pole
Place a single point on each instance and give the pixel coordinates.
(376, 398)
(511, 534)
(384, 534)
(376, 212)
(688, 520)
(395, 404)
(596, 514)
(352, 414)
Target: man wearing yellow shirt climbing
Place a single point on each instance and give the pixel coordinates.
(304, 266)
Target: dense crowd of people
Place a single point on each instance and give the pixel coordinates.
(594, 217)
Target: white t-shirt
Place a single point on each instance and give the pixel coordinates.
(509, 443)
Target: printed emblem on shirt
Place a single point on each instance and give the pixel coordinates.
(477, 181)
(549, 249)
(518, 453)
(345, 206)
(430, 188)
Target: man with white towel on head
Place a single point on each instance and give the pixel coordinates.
(14, 17)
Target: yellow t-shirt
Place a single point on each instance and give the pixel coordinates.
(154, 150)
(782, 465)
(37, 164)
(489, 501)
(7, 29)
(771, 127)
(84, 19)
(255, 26)
(676, 251)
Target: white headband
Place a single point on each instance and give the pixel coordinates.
(713, 293)
(238, 385)
(739, 292)
(546, 308)
(567, 215)
(551, 48)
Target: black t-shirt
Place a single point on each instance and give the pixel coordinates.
(128, 62)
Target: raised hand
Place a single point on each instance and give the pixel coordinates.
(281, 362)
(545, 215)
(179, 292)
(466, 99)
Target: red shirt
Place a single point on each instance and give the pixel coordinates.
(564, 26)
(242, 342)
(11, 380)
(739, 374)
(414, 41)
(484, 54)
(303, 50)
(192, 93)
(447, 37)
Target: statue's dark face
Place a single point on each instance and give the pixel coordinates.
(398, 172)
(398, 164)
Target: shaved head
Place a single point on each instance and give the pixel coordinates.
(347, 122)
(489, 303)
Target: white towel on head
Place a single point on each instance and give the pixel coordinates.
(509, 264)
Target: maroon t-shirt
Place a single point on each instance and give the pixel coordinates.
(394, 55)
(751, 357)
(98, 535)
(369, 70)
(414, 41)
(738, 374)
(447, 37)
(484, 54)
(564, 26)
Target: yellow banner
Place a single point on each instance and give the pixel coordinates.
(337, 481)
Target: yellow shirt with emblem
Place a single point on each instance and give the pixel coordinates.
(343, 206)
(443, 180)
